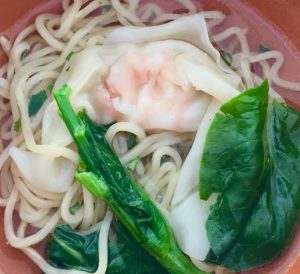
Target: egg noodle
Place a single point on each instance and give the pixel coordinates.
(35, 60)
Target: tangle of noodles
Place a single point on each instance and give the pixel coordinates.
(36, 59)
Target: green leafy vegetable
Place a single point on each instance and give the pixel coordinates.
(103, 128)
(226, 56)
(105, 177)
(74, 208)
(132, 164)
(50, 87)
(18, 125)
(131, 140)
(128, 256)
(256, 170)
(240, 127)
(70, 55)
(36, 101)
(105, 4)
(69, 250)
(263, 48)
(164, 159)
(24, 54)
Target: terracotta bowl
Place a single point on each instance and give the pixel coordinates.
(272, 22)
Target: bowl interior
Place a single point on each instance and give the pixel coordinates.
(252, 14)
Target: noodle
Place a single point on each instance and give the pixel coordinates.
(35, 61)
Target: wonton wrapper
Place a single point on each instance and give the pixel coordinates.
(43, 171)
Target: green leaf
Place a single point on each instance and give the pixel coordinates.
(164, 159)
(227, 57)
(128, 256)
(24, 54)
(75, 207)
(18, 125)
(36, 101)
(107, 7)
(50, 87)
(70, 55)
(132, 164)
(104, 4)
(252, 159)
(263, 48)
(235, 131)
(69, 250)
(131, 140)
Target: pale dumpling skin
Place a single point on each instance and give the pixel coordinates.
(146, 86)
(163, 85)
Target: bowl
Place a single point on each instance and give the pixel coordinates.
(280, 32)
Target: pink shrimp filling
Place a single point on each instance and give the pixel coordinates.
(151, 91)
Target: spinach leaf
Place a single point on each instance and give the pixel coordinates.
(106, 178)
(69, 250)
(50, 87)
(131, 141)
(75, 207)
(263, 48)
(227, 57)
(165, 159)
(256, 172)
(18, 125)
(240, 128)
(36, 101)
(24, 54)
(105, 4)
(70, 55)
(128, 256)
